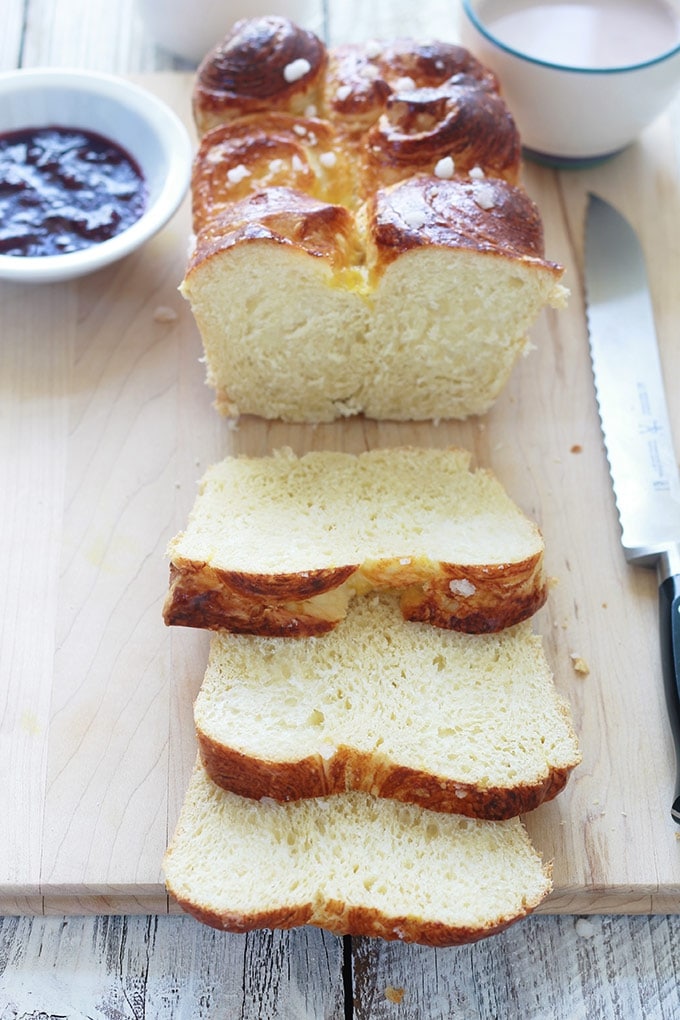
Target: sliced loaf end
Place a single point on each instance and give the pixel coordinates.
(351, 864)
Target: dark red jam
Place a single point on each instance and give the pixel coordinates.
(63, 189)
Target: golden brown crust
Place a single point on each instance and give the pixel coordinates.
(487, 216)
(421, 127)
(268, 150)
(400, 107)
(281, 919)
(341, 918)
(263, 64)
(290, 605)
(348, 769)
(281, 216)
(478, 599)
(361, 77)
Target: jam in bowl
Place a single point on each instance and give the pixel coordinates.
(62, 189)
(91, 167)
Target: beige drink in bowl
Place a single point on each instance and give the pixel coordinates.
(583, 78)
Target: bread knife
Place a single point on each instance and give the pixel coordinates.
(635, 425)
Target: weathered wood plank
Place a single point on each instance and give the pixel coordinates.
(559, 968)
(127, 968)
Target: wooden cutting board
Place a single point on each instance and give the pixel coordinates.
(106, 425)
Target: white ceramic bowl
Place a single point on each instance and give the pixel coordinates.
(125, 114)
(191, 30)
(573, 115)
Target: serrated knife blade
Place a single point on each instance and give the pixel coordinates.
(635, 424)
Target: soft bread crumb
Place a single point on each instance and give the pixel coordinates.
(336, 508)
(580, 665)
(386, 705)
(351, 864)
(420, 521)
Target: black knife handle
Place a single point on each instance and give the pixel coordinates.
(669, 629)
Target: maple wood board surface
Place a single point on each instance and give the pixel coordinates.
(106, 425)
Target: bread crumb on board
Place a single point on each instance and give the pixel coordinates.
(580, 664)
(165, 314)
(394, 994)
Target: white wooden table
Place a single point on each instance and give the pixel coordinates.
(129, 966)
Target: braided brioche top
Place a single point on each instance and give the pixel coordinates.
(262, 64)
(406, 104)
(427, 116)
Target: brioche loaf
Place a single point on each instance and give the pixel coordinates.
(279, 545)
(470, 724)
(352, 864)
(362, 242)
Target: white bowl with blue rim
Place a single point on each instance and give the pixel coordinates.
(124, 113)
(582, 80)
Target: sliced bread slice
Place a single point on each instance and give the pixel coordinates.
(352, 864)
(471, 724)
(279, 545)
